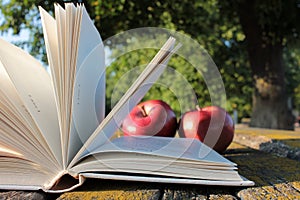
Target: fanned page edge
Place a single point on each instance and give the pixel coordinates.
(21, 187)
(49, 188)
(243, 182)
(190, 149)
(158, 148)
(88, 106)
(13, 105)
(51, 43)
(36, 92)
(87, 50)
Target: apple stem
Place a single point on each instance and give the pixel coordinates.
(143, 111)
(198, 107)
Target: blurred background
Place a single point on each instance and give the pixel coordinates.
(255, 45)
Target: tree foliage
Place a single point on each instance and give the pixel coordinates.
(214, 24)
(269, 26)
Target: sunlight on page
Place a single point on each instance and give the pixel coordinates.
(9, 151)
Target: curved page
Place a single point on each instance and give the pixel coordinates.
(88, 106)
(35, 89)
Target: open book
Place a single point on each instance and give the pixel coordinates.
(53, 130)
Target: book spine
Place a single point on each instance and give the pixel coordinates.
(55, 180)
(64, 182)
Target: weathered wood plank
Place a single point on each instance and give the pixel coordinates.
(269, 133)
(107, 189)
(263, 168)
(275, 177)
(16, 195)
(222, 193)
(278, 142)
(117, 194)
(185, 192)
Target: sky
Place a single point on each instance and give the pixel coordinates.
(23, 36)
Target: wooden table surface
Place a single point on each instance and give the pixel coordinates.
(270, 158)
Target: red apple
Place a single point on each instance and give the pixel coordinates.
(150, 118)
(211, 125)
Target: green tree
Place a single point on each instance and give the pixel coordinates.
(246, 39)
(268, 26)
(176, 86)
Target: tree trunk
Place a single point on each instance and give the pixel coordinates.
(269, 107)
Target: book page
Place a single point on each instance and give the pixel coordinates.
(70, 48)
(146, 167)
(53, 55)
(177, 148)
(175, 157)
(15, 110)
(60, 18)
(51, 43)
(88, 106)
(161, 157)
(18, 129)
(34, 87)
(122, 156)
(146, 178)
(64, 111)
(15, 134)
(18, 173)
(134, 94)
(77, 54)
(65, 35)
